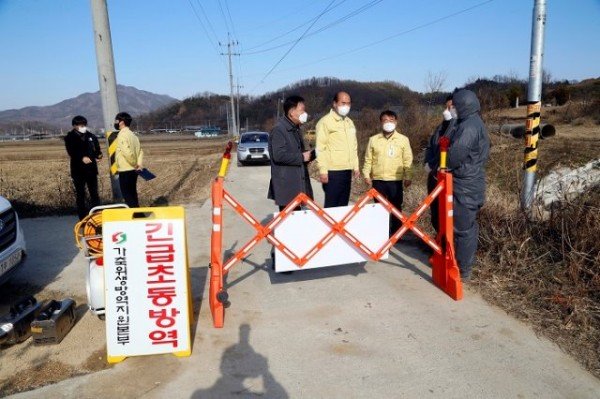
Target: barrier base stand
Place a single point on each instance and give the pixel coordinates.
(217, 308)
(446, 275)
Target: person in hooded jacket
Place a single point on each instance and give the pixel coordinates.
(467, 156)
(432, 155)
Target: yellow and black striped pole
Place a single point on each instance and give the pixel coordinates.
(111, 139)
(534, 103)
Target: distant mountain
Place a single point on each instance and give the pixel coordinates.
(131, 100)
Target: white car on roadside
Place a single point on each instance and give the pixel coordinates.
(12, 241)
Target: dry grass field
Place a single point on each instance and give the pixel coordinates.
(34, 175)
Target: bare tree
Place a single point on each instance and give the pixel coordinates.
(434, 83)
(546, 77)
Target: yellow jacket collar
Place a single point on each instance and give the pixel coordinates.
(335, 115)
(395, 135)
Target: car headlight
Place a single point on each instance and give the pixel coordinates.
(242, 148)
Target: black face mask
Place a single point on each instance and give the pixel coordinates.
(116, 125)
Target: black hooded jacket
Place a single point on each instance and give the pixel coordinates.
(469, 150)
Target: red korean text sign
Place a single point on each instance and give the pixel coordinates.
(146, 282)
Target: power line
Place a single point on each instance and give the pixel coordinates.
(203, 27)
(291, 31)
(223, 15)
(418, 27)
(230, 19)
(212, 29)
(297, 41)
(330, 25)
(278, 20)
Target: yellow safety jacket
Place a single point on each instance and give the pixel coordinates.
(388, 158)
(337, 148)
(128, 154)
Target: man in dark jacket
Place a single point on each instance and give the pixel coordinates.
(84, 150)
(467, 156)
(289, 155)
(432, 155)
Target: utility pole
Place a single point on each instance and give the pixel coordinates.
(238, 104)
(534, 103)
(229, 53)
(279, 104)
(228, 120)
(107, 80)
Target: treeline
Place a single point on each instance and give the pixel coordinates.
(260, 112)
(502, 91)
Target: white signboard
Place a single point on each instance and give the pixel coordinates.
(301, 230)
(146, 284)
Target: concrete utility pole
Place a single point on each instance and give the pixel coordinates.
(534, 103)
(238, 87)
(229, 53)
(107, 80)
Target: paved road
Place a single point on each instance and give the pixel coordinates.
(375, 330)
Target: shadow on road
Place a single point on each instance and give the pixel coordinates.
(241, 366)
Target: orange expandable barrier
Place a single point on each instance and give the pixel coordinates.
(445, 271)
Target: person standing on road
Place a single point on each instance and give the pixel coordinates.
(289, 155)
(84, 150)
(388, 162)
(337, 151)
(432, 155)
(467, 156)
(128, 156)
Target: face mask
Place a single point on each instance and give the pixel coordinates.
(82, 129)
(447, 114)
(389, 127)
(453, 113)
(116, 126)
(343, 110)
(303, 117)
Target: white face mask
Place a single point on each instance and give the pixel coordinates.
(303, 117)
(454, 113)
(389, 127)
(82, 129)
(343, 110)
(447, 114)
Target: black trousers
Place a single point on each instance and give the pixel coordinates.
(128, 184)
(434, 208)
(393, 191)
(466, 232)
(80, 182)
(337, 190)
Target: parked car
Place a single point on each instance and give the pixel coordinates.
(12, 241)
(253, 147)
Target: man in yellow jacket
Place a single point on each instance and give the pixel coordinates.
(128, 157)
(388, 163)
(337, 154)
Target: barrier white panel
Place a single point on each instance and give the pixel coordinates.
(301, 230)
